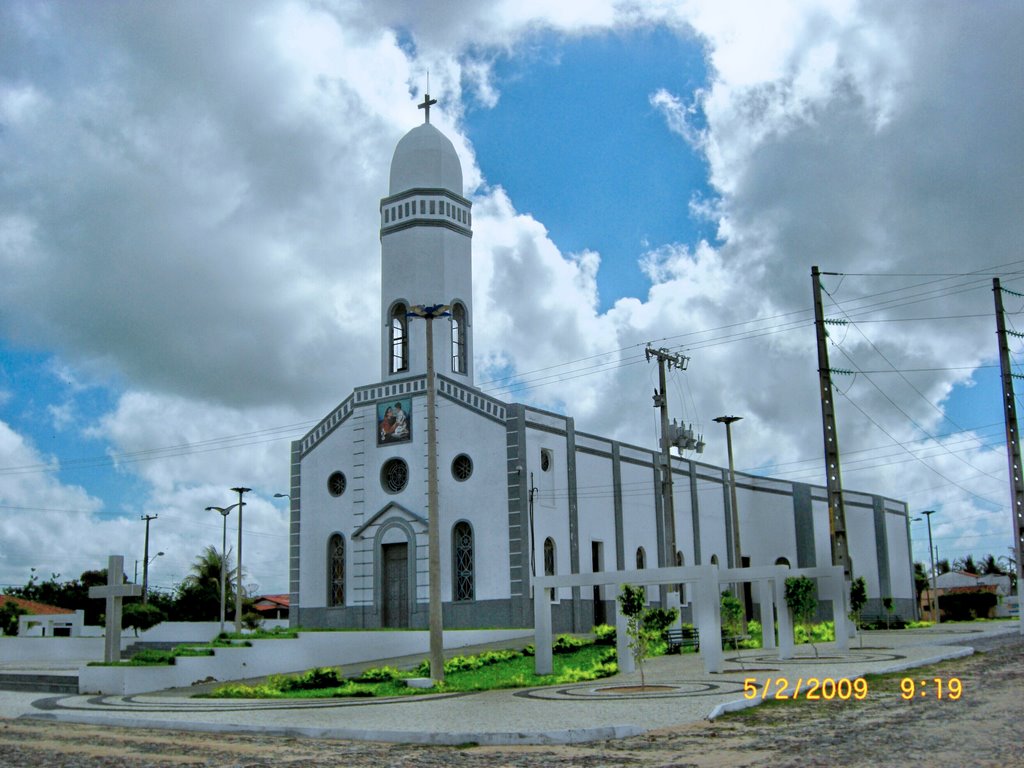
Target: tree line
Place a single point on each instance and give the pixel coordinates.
(196, 598)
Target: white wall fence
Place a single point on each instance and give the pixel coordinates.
(707, 581)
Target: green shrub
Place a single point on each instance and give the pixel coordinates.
(152, 657)
(753, 638)
(192, 650)
(824, 632)
(318, 677)
(568, 644)
(379, 675)
(657, 620)
(604, 634)
(242, 691)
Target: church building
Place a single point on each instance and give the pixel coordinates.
(521, 491)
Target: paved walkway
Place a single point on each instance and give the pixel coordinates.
(559, 714)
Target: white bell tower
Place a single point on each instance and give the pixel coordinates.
(426, 257)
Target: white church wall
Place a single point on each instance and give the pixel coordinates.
(766, 526)
(596, 499)
(480, 500)
(901, 579)
(323, 514)
(860, 537)
(682, 504)
(711, 503)
(551, 504)
(822, 541)
(638, 518)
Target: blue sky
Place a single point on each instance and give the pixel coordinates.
(575, 142)
(187, 235)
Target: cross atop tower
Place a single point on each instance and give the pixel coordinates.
(425, 106)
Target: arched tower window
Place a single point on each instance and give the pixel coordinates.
(641, 558)
(462, 561)
(549, 564)
(336, 571)
(399, 338)
(458, 338)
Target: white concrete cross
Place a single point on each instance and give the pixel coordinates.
(114, 592)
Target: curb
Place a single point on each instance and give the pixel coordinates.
(499, 738)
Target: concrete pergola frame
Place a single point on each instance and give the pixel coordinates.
(707, 581)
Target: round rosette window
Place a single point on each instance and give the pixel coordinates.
(394, 475)
(462, 467)
(336, 483)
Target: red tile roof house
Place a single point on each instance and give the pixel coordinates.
(43, 620)
(272, 606)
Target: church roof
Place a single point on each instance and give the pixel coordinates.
(32, 607)
(425, 159)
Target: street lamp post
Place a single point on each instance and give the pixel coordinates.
(150, 562)
(224, 511)
(934, 602)
(238, 577)
(737, 558)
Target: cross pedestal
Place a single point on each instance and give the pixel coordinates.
(114, 592)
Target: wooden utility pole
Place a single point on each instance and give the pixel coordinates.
(1012, 437)
(833, 477)
(661, 401)
(145, 557)
(433, 523)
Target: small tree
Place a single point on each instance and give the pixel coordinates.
(141, 616)
(802, 600)
(732, 618)
(10, 612)
(887, 604)
(632, 602)
(858, 599)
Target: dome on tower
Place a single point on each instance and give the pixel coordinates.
(425, 159)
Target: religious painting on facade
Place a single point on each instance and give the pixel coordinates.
(394, 421)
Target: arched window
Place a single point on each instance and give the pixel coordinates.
(458, 338)
(399, 339)
(714, 559)
(336, 570)
(641, 559)
(549, 564)
(782, 561)
(680, 562)
(462, 561)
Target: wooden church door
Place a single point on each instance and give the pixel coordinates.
(395, 589)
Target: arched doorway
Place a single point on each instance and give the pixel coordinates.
(394, 578)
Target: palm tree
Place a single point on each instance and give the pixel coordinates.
(966, 565)
(199, 592)
(989, 566)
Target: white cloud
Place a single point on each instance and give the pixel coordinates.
(214, 241)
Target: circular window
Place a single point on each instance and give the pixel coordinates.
(394, 475)
(462, 467)
(336, 484)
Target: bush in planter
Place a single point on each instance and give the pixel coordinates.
(604, 634)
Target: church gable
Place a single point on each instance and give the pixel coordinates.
(387, 513)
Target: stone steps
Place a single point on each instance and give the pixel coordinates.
(134, 648)
(36, 683)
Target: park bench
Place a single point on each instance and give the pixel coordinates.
(682, 637)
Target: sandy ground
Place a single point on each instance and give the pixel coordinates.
(985, 727)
